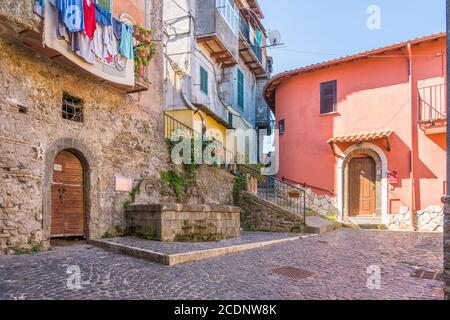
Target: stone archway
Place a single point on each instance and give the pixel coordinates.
(81, 151)
(381, 180)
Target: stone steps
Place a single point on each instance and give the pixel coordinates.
(314, 223)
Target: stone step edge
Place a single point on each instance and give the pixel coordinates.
(180, 258)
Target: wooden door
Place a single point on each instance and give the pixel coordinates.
(362, 185)
(68, 210)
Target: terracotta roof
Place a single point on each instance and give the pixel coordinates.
(272, 84)
(361, 137)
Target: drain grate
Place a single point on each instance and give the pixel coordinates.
(428, 275)
(293, 273)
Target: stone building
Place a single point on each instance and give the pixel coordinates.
(74, 139)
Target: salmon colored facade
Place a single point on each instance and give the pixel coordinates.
(389, 109)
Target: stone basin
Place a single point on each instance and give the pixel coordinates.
(173, 222)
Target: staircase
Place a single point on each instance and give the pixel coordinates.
(287, 197)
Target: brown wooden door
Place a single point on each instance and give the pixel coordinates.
(68, 214)
(362, 187)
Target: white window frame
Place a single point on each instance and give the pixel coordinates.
(229, 13)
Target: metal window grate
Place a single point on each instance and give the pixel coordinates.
(293, 273)
(428, 275)
(72, 108)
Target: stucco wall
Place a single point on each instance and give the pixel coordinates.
(373, 95)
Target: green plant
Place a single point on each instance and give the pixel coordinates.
(240, 184)
(145, 51)
(108, 235)
(133, 195)
(176, 181)
(33, 250)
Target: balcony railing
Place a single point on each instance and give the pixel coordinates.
(245, 30)
(432, 104)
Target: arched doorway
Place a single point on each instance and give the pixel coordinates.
(362, 187)
(361, 176)
(68, 207)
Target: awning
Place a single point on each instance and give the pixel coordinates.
(363, 137)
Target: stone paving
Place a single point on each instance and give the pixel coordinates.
(339, 261)
(185, 247)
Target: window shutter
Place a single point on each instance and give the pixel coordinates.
(203, 80)
(328, 97)
(241, 91)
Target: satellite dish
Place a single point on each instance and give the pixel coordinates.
(274, 38)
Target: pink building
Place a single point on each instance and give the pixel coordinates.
(368, 132)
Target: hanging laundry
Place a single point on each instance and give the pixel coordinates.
(74, 38)
(126, 43)
(104, 17)
(72, 14)
(86, 50)
(117, 28)
(89, 18)
(99, 46)
(110, 41)
(259, 37)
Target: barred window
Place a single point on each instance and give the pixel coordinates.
(72, 108)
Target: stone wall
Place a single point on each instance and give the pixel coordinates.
(428, 220)
(183, 223)
(260, 215)
(121, 134)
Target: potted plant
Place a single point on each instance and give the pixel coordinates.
(145, 50)
(294, 193)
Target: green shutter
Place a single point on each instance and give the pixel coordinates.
(203, 80)
(241, 91)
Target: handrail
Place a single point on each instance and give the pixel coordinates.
(278, 192)
(305, 185)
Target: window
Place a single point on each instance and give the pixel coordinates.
(240, 90)
(281, 126)
(72, 108)
(230, 118)
(204, 81)
(105, 4)
(328, 97)
(229, 12)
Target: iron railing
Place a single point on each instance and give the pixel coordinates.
(432, 104)
(172, 125)
(245, 30)
(278, 192)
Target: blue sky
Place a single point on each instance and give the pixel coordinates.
(317, 30)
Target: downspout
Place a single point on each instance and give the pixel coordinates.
(189, 103)
(413, 134)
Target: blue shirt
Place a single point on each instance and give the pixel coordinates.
(71, 12)
(103, 16)
(126, 43)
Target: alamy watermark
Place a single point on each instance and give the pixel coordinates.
(374, 279)
(374, 19)
(241, 146)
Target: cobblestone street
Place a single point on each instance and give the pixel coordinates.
(338, 260)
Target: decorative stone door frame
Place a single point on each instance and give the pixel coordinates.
(85, 156)
(381, 178)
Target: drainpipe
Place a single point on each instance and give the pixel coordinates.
(189, 103)
(413, 134)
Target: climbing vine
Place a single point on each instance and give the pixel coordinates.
(176, 181)
(240, 184)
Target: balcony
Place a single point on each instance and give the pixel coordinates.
(217, 29)
(432, 109)
(251, 53)
(127, 80)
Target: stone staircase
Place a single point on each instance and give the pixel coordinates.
(314, 222)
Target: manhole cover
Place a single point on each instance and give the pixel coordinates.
(293, 273)
(428, 275)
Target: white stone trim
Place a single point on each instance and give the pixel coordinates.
(384, 179)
